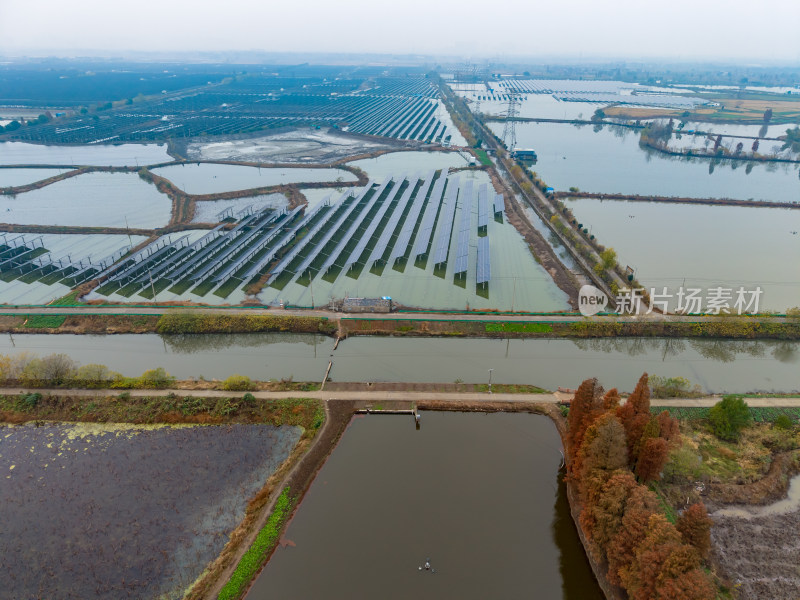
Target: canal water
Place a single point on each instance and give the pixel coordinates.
(715, 365)
(477, 494)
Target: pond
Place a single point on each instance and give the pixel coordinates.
(90, 200)
(701, 246)
(477, 494)
(209, 178)
(610, 160)
(112, 511)
(20, 153)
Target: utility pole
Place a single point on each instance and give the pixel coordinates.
(510, 127)
(490, 380)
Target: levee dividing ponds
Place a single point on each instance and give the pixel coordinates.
(476, 495)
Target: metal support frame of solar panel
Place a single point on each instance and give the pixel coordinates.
(429, 218)
(484, 264)
(462, 246)
(204, 247)
(98, 266)
(140, 256)
(386, 235)
(292, 254)
(483, 207)
(374, 223)
(129, 273)
(348, 236)
(232, 248)
(334, 229)
(499, 204)
(445, 229)
(404, 238)
(252, 249)
(285, 239)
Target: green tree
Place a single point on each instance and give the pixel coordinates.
(728, 417)
(792, 140)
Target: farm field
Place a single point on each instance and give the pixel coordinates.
(90, 200)
(125, 510)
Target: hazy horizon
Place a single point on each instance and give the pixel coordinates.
(686, 31)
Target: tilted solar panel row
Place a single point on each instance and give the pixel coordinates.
(404, 239)
(397, 213)
(319, 246)
(484, 265)
(355, 255)
(483, 207)
(445, 229)
(462, 248)
(429, 218)
(348, 236)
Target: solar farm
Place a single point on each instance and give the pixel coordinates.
(403, 108)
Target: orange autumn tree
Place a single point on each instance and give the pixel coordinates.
(612, 450)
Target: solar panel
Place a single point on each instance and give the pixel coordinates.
(377, 220)
(483, 207)
(429, 218)
(292, 254)
(499, 204)
(402, 243)
(388, 231)
(285, 239)
(348, 236)
(319, 246)
(445, 229)
(484, 265)
(462, 248)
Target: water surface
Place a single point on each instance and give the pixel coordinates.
(478, 494)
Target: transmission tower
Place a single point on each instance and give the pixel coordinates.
(510, 127)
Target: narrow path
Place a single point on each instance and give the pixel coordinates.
(391, 396)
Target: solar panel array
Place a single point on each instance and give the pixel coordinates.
(446, 223)
(334, 255)
(462, 248)
(404, 239)
(355, 255)
(429, 218)
(388, 231)
(483, 207)
(484, 265)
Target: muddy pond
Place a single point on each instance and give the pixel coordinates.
(477, 494)
(120, 511)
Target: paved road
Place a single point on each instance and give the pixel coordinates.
(398, 396)
(429, 316)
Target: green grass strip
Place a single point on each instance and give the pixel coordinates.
(44, 321)
(257, 554)
(483, 157)
(519, 327)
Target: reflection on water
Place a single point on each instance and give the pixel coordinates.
(476, 493)
(717, 365)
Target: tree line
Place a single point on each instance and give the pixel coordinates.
(614, 451)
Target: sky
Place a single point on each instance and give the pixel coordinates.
(740, 30)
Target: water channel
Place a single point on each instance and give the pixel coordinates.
(715, 365)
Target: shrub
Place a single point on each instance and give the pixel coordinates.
(30, 401)
(728, 417)
(154, 379)
(784, 422)
(249, 398)
(237, 383)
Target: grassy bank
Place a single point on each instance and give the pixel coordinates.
(746, 328)
(124, 408)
